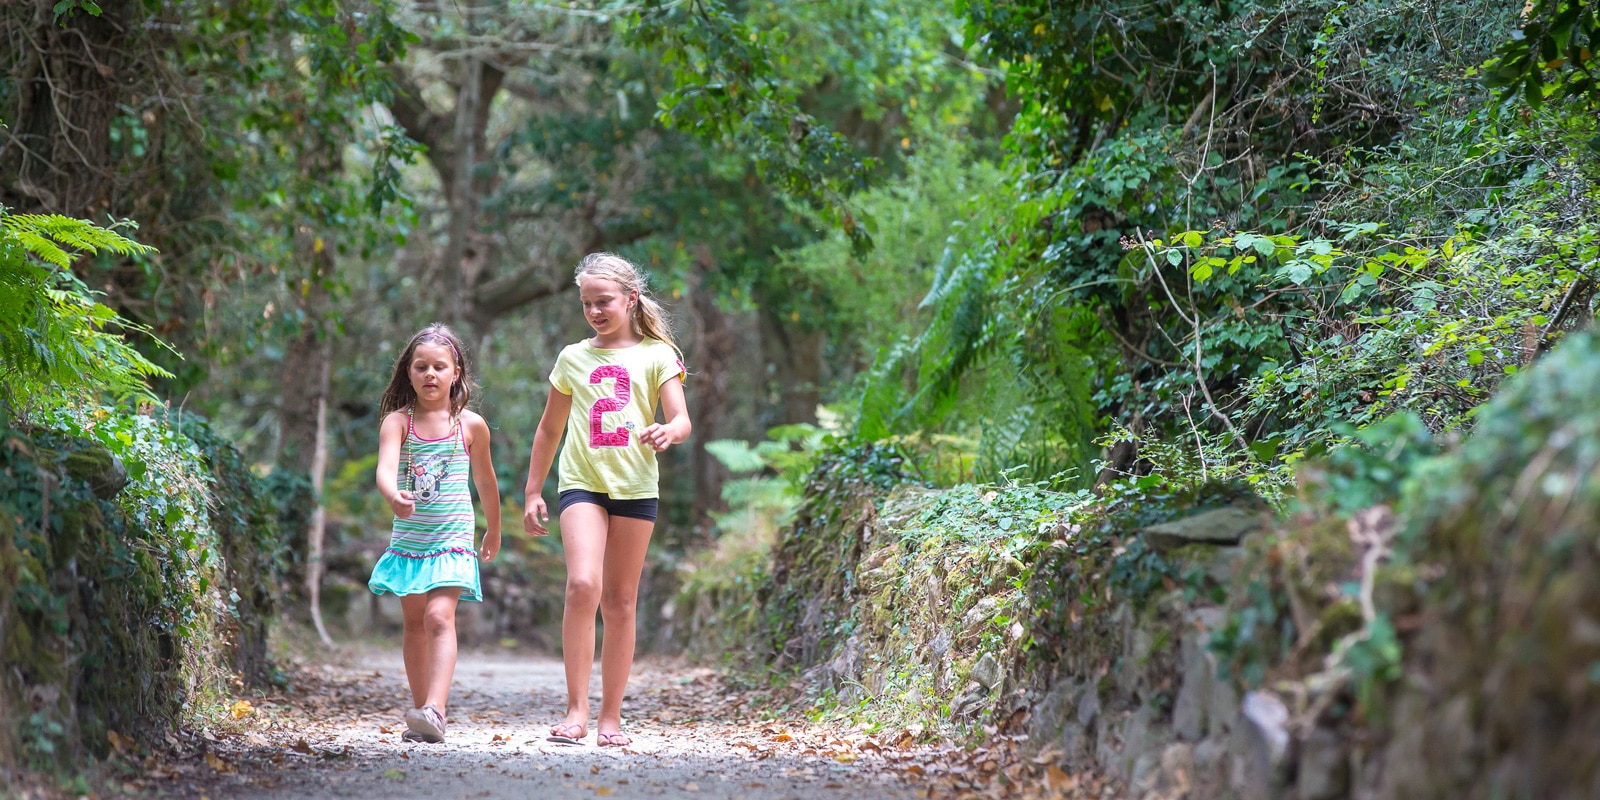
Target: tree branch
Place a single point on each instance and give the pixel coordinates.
(500, 296)
(432, 130)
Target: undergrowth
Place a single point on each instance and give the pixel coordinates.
(169, 577)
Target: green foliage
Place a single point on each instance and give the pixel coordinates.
(1373, 467)
(726, 86)
(179, 560)
(767, 79)
(228, 142)
(1133, 125)
(56, 339)
(1561, 36)
(759, 503)
(1008, 518)
(925, 218)
(1000, 360)
(166, 496)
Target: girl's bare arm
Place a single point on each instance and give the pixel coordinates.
(488, 485)
(545, 440)
(390, 437)
(676, 411)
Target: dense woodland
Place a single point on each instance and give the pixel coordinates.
(1065, 249)
(1034, 232)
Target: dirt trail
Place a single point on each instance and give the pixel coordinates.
(341, 738)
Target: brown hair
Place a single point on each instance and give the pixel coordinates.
(399, 395)
(648, 317)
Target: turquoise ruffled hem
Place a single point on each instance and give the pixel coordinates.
(407, 574)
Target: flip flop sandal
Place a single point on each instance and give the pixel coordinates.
(562, 737)
(611, 739)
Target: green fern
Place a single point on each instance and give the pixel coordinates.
(56, 341)
(1011, 375)
(40, 233)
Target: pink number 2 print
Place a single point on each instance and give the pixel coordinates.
(621, 392)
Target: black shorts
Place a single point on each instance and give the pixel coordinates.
(634, 509)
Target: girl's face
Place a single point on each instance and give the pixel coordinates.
(606, 305)
(433, 371)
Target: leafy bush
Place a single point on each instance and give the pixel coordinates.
(134, 544)
(130, 551)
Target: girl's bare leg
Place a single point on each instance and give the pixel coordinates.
(415, 646)
(583, 538)
(439, 629)
(626, 542)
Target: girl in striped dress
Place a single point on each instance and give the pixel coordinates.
(429, 443)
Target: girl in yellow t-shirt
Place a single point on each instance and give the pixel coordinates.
(606, 390)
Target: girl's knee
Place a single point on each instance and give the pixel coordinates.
(583, 591)
(619, 605)
(437, 621)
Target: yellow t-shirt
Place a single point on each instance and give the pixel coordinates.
(614, 397)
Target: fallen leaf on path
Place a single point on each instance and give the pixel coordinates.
(1058, 780)
(241, 709)
(691, 786)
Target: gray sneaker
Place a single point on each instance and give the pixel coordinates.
(424, 724)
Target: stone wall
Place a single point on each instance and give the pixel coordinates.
(1423, 625)
(138, 586)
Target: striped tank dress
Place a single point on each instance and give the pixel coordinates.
(434, 546)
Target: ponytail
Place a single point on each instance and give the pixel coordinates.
(648, 318)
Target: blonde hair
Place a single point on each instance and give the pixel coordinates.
(648, 317)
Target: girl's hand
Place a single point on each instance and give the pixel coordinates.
(490, 546)
(402, 504)
(656, 436)
(534, 518)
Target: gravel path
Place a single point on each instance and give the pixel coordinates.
(692, 739)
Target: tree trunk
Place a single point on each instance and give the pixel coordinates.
(795, 355)
(319, 518)
(714, 349)
(57, 152)
(303, 360)
(302, 409)
(462, 264)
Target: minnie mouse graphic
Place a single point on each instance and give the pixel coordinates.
(426, 473)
